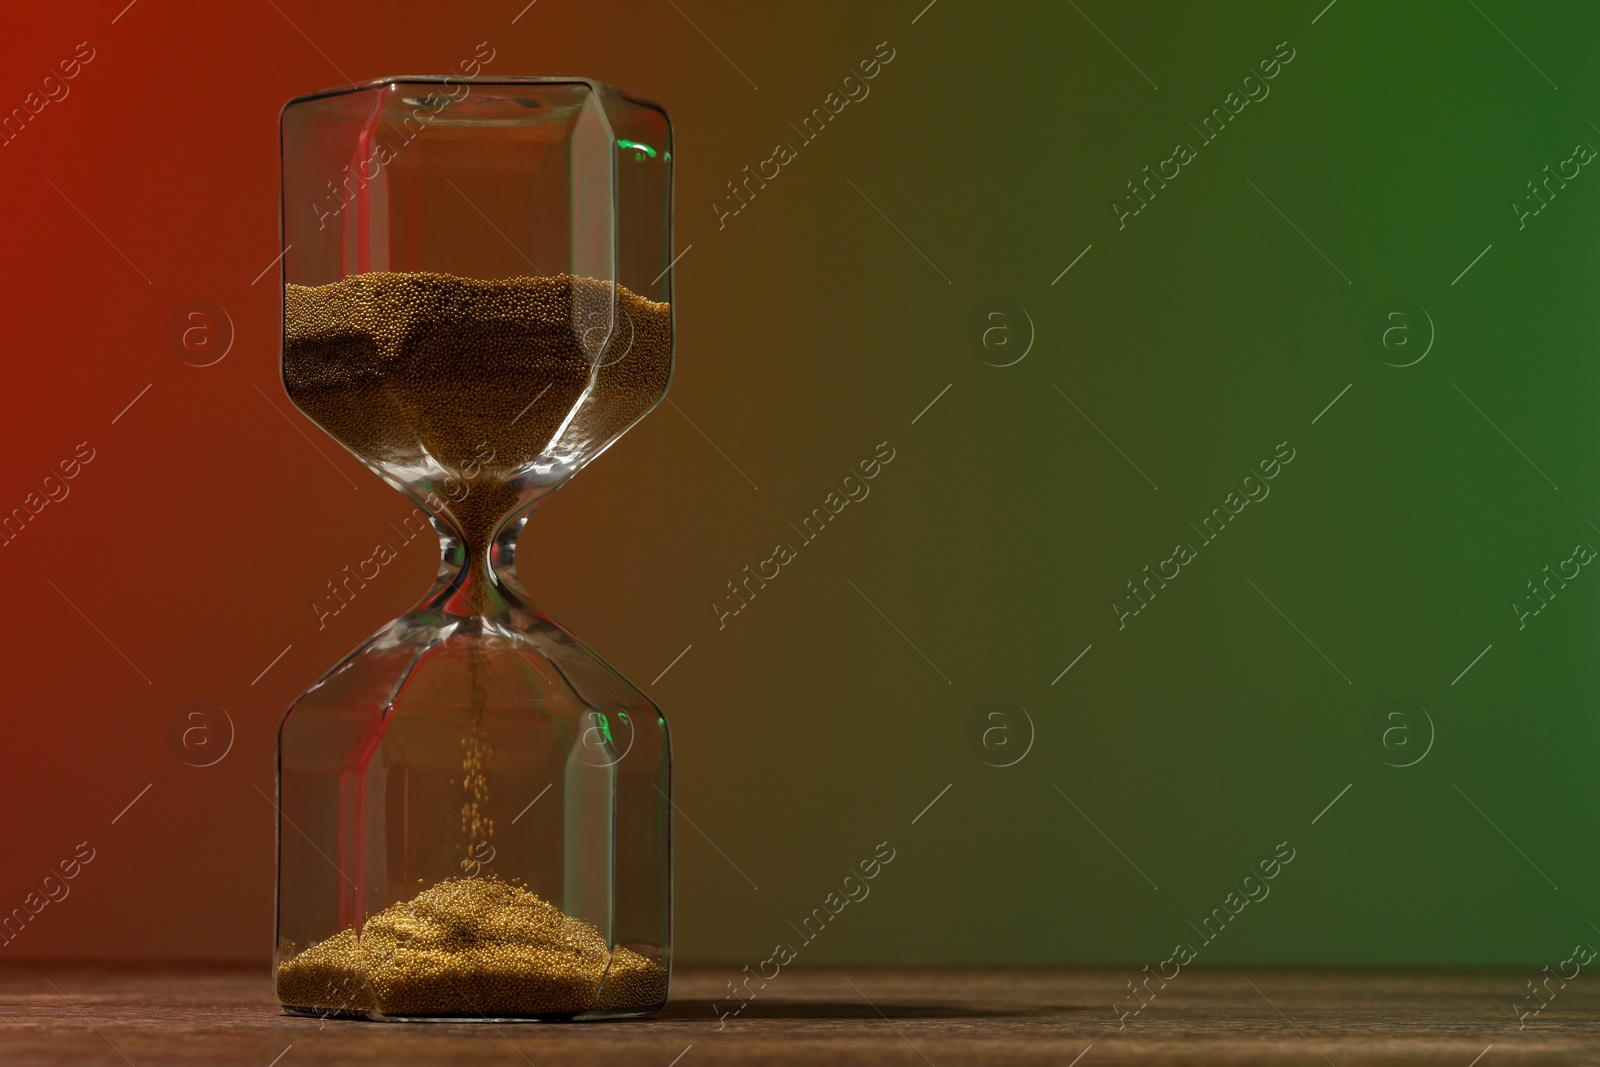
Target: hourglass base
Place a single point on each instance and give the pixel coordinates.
(374, 1017)
(448, 1004)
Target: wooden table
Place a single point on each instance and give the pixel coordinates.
(151, 1016)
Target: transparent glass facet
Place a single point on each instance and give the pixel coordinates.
(474, 807)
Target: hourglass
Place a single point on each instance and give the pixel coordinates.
(474, 808)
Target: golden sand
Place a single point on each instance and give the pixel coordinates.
(471, 947)
(404, 368)
(479, 377)
(482, 378)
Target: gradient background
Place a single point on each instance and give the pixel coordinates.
(811, 327)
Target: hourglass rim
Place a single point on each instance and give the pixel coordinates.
(393, 80)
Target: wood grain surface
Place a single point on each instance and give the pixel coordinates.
(146, 1016)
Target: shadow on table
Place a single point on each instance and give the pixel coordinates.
(698, 1011)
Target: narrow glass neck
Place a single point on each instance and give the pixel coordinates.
(479, 581)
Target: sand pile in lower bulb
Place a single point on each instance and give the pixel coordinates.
(471, 947)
